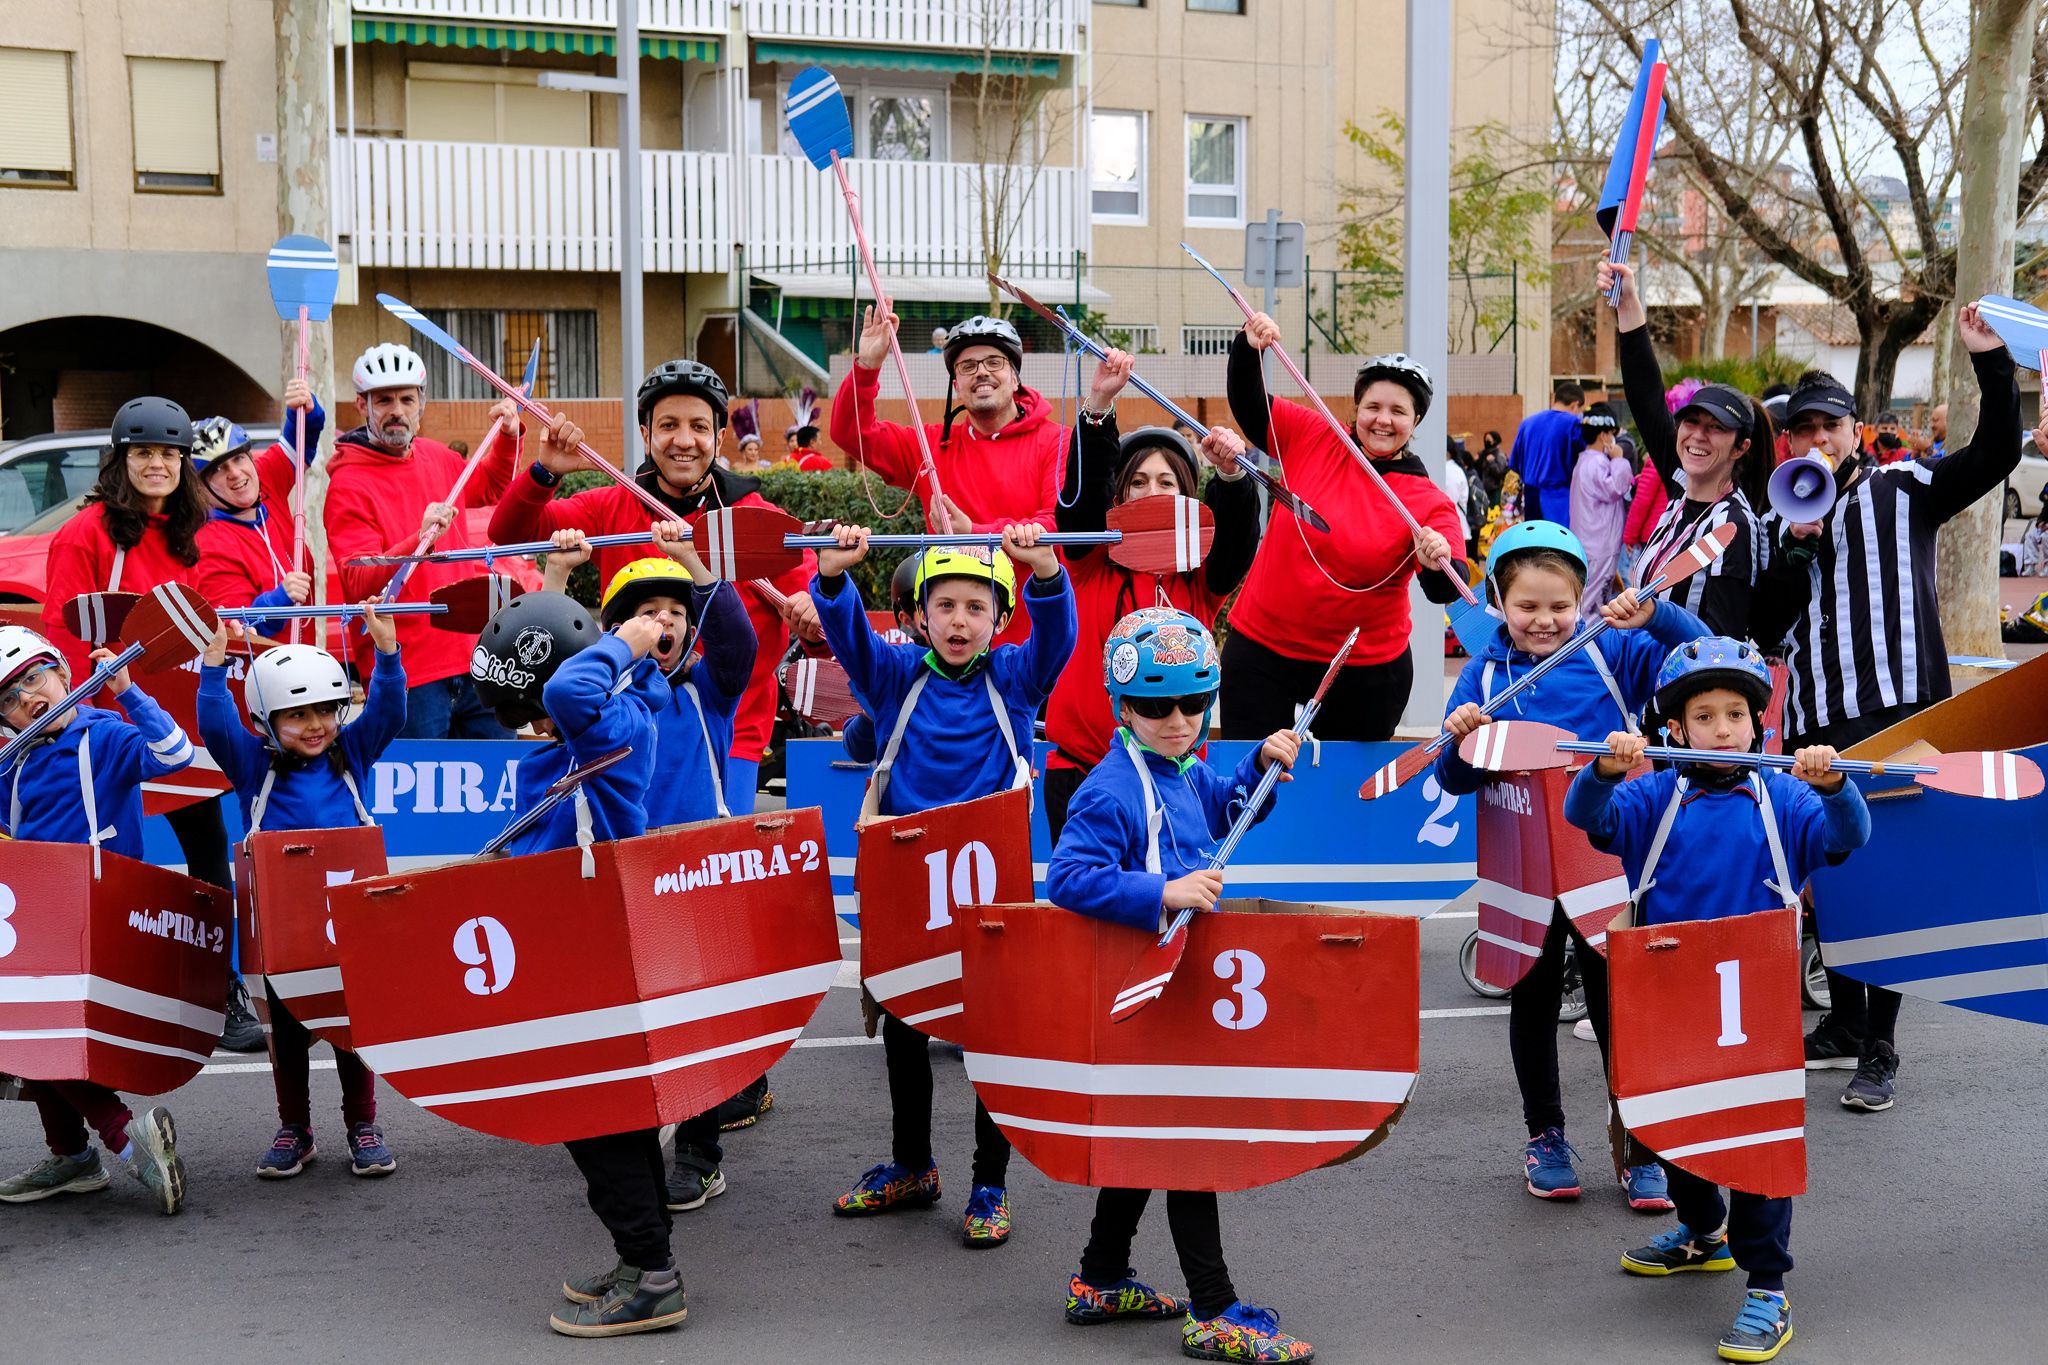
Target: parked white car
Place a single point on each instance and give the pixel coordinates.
(2023, 491)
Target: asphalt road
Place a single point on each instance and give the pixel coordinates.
(1920, 1239)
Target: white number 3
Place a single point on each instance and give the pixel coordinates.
(1249, 1010)
(486, 945)
(7, 935)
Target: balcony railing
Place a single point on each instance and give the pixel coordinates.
(1040, 26)
(656, 16)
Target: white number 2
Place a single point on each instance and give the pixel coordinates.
(1731, 1004)
(1249, 1010)
(973, 881)
(1434, 831)
(486, 945)
(7, 935)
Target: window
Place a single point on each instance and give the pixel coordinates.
(447, 102)
(890, 122)
(1128, 4)
(1139, 338)
(1206, 340)
(1215, 170)
(1217, 6)
(35, 118)
(176, 108)
(1116, 140)
(568, 350)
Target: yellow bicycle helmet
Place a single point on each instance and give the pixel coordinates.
(992, 567)
(655, 576)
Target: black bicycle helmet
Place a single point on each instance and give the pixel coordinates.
(149, 422)
(1180, 453)
(903, 587)
(684, 376)
(520, 649)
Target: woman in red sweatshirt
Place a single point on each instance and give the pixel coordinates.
(1103, 473)
(1308, 588)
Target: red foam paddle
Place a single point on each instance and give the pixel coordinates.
(1516, 746)
(1163, 534)
(472, 602)
(97, 617)
(820, 692)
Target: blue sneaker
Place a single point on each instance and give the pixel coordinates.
(1678, 1250)
(1547, 1166)
(1761, 1329)
(987, 1223)
(289, 1152)
(367, 1154)
(1243, 1332)
(1648, 1189)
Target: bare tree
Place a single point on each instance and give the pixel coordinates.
(1015, 123)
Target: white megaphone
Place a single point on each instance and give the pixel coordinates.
(1803, 488)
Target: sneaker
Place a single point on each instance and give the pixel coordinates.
(1871, 1089)
(57, 1175)
(1127, 1299)
(627, 1306)
(1680, 1249)
(289, 1152)
(592, 1288)
(1583, 1031)
(240, 1030)
(1547, 1166)
(1830, 1047)
(1761, 1329)
(156, 1162)
(987, 1223)
(746, 1109)
(690, 1188)
(888, 1186)
(1241, 1332)
(367, 1154)
(1649, 1190)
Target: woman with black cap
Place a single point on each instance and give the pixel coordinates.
(1106, 471)
(1714, 454)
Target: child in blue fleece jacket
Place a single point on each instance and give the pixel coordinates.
(306, 773)
(1115, 862)
(955, 721)
(1737, 840)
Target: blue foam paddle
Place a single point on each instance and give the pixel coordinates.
(2021, 326)
(817, 116)
(303, 273)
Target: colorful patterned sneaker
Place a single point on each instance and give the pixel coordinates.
(592, 1288)
(156, 1162)
(1649, 1190)
(629, 1305)
(1241, 1332)
(367, 1154)
(888, 1186)
(1547, 1166)
(690, 1188)
(1830, 1047)
(289, 1152)
(1761, 1329)
(1680, 1249)
(987, 1223)
(1870, 1089)
(1126, 1300)
(57, 1175)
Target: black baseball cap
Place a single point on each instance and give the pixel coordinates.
(1725, 405)
(1830, 400)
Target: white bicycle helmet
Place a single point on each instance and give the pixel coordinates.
(389, 365)
(293, 675)
(1404, 370)
(20, 650)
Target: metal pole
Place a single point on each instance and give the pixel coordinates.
(1426, 254)
(632, 325)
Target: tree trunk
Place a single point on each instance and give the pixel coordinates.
(1877, 366)
(1715, 310)
(305, 57)
(1993, 125)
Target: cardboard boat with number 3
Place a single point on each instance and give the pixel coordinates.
(1529, 859)
(118, 979)
(282, 885)
(521, 998)
(914, 874)
(1288, 1040)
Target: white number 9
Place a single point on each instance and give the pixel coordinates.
(487, 945)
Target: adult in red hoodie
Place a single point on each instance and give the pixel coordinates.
(1308, 588)
(682, 413)
(385, 483)
(1002, 465)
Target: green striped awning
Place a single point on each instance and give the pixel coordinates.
(903, 59)
(528, 40)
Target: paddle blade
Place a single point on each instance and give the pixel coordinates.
(1701, 554)
(741, 543)
(1473, 624)
(576, 777)
(1162, 535)
(1993, 775)
(1149, 975)
(303, 273)
(1407, 765)
(472, 602)
(413, 318)
(821, 693)
(97, 617)
(1292, 501)
(2021, 326)
(173, 624)
(817, 116)
(1515, 746)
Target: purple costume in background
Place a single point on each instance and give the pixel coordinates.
(1600, 485)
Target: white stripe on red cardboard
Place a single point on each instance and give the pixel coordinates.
(98, 990)
(1729, 1144)
(314, 981)
(1181, 1134)
(1525, 905)
(39, 1035)
(624, 1073)
(932, 971)
(1196, 1082)
(1690, 1101)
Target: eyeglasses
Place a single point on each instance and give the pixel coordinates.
(146, 458)
(994, 364)
(23, 686)
(1159, 708)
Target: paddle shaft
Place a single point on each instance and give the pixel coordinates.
(519, 550)
(982, 538)
(428, 537)
(299, 466)
(565, 787)
(1745, 760)
(312, 611)
(867, 259)
(99, 678)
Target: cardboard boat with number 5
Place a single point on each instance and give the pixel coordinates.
(531, 999)
(1289, 1039)
(283, 885)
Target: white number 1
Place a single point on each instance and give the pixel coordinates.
(1731, 1004)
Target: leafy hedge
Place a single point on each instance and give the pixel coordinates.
(807, 497)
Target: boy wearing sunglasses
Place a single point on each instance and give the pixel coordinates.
(1135, 849)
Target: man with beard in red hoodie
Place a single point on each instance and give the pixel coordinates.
(385, 483)
(1001, 465)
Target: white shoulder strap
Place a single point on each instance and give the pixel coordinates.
(710, 754)
(1154, 815)
(1649, 877)
(880, 783)
(262, 801)
(1486, 683)
(1787, 892)
(114, 573)
(1023, 764)
(1613, 688)
(93, 833)
(585, 833)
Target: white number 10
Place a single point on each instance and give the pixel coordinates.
(973, 881)
(1731, 1004)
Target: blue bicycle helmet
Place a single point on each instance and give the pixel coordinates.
(1713, 661)
(1159, 652)
(216, 438)
(1535, 535)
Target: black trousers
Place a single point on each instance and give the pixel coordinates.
(1197, 1239)
(698, 1144)
(1262, 691)
(1759, 1229)
(1060, 786)
(1532, 1026)
(203, 836)
(908, 1054)
(628, 1191)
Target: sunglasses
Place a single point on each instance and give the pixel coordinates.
(1159, 708)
